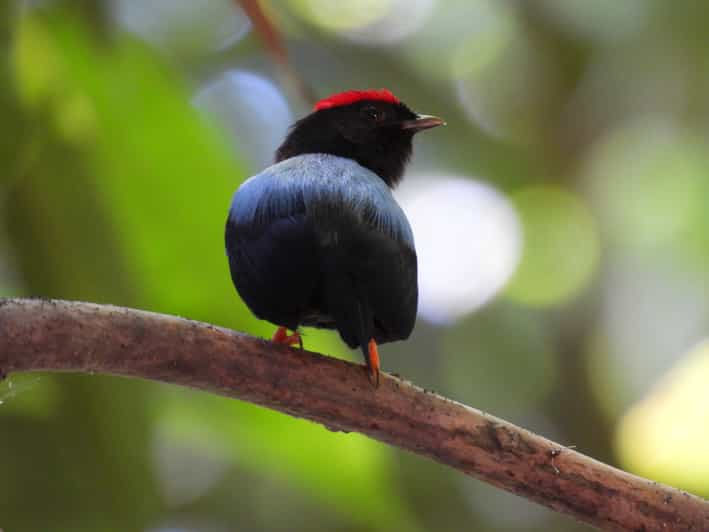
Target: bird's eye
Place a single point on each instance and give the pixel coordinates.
(373, 114)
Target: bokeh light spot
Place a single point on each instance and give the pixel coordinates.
(185, 26)
(251, 109)
(339, 16)
(185, 470)
(392, 27)
(434, 50)
(502, 81)
(650, 312)
(41, 82)
(648, 180)
(467, 240)
(664, 435)
(561, 246)
(492, 31)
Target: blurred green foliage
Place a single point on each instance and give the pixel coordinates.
(130, 189)
(590, 117)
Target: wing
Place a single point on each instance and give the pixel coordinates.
(274, 267)
(272, 249)
(326, 234)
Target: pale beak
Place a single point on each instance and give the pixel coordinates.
(422, 122)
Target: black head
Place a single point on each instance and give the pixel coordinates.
(372, 127)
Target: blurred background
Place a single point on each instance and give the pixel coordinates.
(560, 219)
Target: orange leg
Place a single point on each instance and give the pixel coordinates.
(281, 336)
(373, 363)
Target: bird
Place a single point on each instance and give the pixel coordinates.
(318, 240)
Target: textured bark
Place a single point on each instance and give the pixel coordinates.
(48, 335)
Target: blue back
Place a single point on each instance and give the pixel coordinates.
(308, 182)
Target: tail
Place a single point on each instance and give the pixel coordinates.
(353, 317)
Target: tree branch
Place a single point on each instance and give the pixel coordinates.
(273, 42)
(49, 335)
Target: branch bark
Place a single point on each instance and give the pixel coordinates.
(51, 335)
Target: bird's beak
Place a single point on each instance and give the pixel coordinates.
(422, 122)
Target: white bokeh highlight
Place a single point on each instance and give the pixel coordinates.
(393, 27)
(251, 109)
(653, 313)
(468, 240)
(186, 471)
(209, 24)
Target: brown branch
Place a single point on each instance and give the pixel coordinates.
(273, 42)
(48, 335)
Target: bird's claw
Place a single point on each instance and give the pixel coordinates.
(282, 337)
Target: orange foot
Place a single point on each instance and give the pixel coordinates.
(373, 363)
(281, 336)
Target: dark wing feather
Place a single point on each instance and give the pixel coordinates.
(274, 267)
(367, 266)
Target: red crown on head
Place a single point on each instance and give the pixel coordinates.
(348, 97)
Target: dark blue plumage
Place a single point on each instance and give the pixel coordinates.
(318, 240)
(315, 181)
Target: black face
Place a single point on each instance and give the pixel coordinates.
(376, 134)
